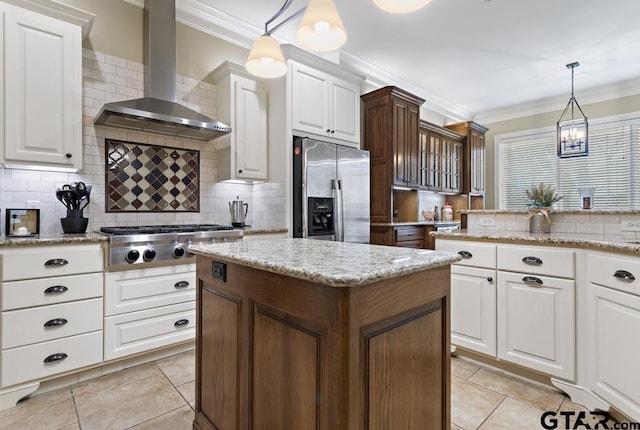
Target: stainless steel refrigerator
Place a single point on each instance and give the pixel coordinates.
(330, 191)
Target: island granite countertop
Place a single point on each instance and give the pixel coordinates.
(605, 242)
(336, 264)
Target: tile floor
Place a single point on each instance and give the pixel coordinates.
(160, 396)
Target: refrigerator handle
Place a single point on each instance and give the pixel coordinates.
(339, 212)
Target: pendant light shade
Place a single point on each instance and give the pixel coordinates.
(400, 6)
(321, 28)
(265, 59)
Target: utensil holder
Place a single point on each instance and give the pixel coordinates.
(74, 224)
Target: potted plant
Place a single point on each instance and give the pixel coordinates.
(541, 199)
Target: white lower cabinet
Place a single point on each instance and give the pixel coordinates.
(536, 321)
(148, 309)
(141, 331)
(503, 307)
(473, 308)
(614, 323)
(44, 359)
(51, 311)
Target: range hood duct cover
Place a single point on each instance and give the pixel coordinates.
(159, 112)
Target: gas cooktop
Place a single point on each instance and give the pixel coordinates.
(155, 229)
(149, 245)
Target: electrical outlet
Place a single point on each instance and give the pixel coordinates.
(33, 204)
(487, 222)
(631, 225)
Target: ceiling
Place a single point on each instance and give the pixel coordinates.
(474, 58)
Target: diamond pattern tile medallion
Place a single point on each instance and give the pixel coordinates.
(150, 178)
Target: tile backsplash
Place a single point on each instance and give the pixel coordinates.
(106, 79)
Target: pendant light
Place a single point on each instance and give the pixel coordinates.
(265, 59)
(321, 29)
(572, 129)
(400, 6)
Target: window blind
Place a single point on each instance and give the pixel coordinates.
(523, 162)
(612, 167)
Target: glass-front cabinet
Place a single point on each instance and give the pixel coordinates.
(441, 158)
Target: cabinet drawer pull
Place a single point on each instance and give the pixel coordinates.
(55, 322)
(181, 284)
(56, 262)
(532, 261)
(56, 289)
(181, 322)
(465, 254)
(532, 281)
(55, 357)
(624, 275)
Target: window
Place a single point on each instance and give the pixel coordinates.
(611, 167)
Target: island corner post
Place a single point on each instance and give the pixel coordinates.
(277, 352)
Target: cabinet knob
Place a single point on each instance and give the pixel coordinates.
(333, 131)
(489, 279)
(328, 130)
(68, 155)
(240, 171)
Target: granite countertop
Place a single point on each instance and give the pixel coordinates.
(251, 230)
(337, 264)
(555, 211)
(52, 240)
(398, 224)
(605, 242)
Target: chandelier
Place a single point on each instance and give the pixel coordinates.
(572, 129)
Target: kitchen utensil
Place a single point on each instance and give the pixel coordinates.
(238, 210)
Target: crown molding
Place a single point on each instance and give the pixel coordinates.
(380, 78)
(60, 11)
(589, 96)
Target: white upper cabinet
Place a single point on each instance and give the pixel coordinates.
(41, 107)
(242, 104)
(325, 105)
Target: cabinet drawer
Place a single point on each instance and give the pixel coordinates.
(409, 233)
(47, 291)
(41, 262)
(137, 290)
(473, 253)
(28, 362)
(537, 260)
(614, 271)
(145, 330)
(27, 326)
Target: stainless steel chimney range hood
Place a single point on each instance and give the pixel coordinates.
(159, 112)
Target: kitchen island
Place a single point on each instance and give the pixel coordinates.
(306, 334)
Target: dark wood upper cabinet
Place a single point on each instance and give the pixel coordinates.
(390, 123)
(440, 158)
(474, 178)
